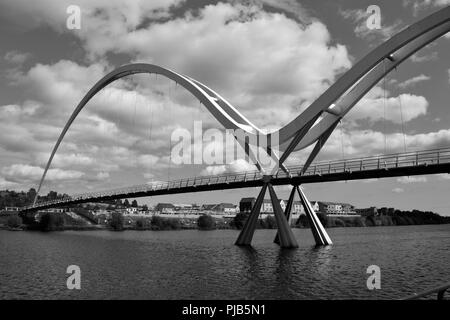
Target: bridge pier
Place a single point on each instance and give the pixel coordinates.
(286, 237)
(319, 233)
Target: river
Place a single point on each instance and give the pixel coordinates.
(196, 264)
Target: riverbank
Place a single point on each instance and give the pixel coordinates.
(166, 224)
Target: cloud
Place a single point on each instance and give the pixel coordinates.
(413, 81)
(404, 107)
(413, 179)
(360, 17)
(419, 5)
(239, 165)
(24, 172)
(16, 57)
(398, 190)
(422, 58)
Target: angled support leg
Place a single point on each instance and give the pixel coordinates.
(318, 231)
(286, 237)
(246, 235)
(287, 213)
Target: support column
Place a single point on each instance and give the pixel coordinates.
(285, 235)
(246, 235)
(287, 213)
(320, 235)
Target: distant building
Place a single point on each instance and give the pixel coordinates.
(246, 204)
(12, 209)
(336, 208)
(367, 212)
(221, 208)
(165, 208)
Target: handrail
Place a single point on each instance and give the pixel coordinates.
(439, 290)
(414, 158)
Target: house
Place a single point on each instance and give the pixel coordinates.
(165, 208)
(246, 204)
(225, 208)
(182, 207)
(367, 212)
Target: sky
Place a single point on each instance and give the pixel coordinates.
(270, 59)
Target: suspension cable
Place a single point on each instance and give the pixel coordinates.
(401, 115)
(341, 122)
(384, 108)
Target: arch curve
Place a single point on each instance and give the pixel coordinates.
(362, 76)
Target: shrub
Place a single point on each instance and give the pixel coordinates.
(239, 220)
(270, 222)
(160, 223)
(141, 223)
(339, 223)
(51, 222)
(14, 221)
(206, 222)
(116, 221)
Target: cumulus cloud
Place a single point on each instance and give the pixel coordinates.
(419, 5)
(360, 17)
(413, 81)
(23, 172)
(16, 57)
(414, 179)
(406, 106)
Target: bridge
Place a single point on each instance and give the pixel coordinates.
(313, 126)
(383, 166)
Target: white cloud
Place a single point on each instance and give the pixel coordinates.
(418, 5)
(413, 81)
(360, 17)
(16, 57)
(398, 190)
(413, 179)
(24, 172)
(373, 105)
(422, 58)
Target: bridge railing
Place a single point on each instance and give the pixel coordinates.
(417, 158)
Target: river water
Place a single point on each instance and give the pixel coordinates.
(196, 264)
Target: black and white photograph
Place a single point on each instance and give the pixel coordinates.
(225, 155)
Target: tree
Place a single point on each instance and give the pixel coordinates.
(134, 204)
(239, 220)
(126, 203)
(117, 221)
(141, 223)
(14, 221)
(145, 207)
(206, 222)
(51, 222)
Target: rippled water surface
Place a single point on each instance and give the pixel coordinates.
(206, 265)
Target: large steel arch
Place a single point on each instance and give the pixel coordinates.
(365, 74)
(350, 99)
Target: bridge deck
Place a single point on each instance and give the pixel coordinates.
(394, 165)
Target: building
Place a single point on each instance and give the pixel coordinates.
(336, 208)
(221, 208)
(367, 212)
(165, 208)
(246, 204)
